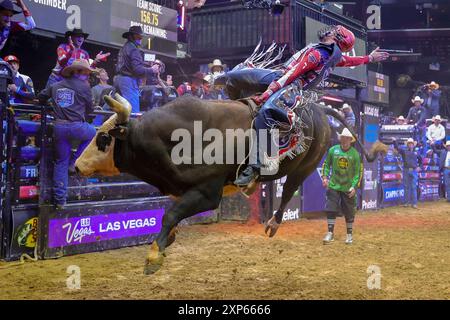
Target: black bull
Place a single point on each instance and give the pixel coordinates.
(143, 148)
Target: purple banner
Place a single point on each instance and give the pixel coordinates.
(82, 230)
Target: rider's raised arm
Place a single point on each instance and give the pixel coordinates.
(347, 61)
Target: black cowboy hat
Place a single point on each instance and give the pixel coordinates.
(9, 5)
(77, 32)
(133, 30)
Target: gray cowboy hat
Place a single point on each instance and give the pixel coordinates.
(133, 30)
(9, 5)
(79, 64)
(77, 32)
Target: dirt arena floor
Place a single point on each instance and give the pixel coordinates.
(410, 247)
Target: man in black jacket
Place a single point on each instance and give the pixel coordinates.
(444, 164)
(131, 67)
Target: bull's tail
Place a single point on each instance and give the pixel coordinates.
(377, 147)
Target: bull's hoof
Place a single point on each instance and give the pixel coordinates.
(151, 267)
(154, 260)
(271, 227)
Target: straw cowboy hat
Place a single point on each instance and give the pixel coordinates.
(438, 117)
(346, 133)
(217, 63)
(9, 5)
(77, 32)
(447, 144)
(401, 118)
(133, 30)
(418, 99)
(411, 140)
(79, 64)
(433, 85)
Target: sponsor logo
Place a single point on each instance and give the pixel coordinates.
(343, 163)
(371, 111)
(289, 214)
(75, 231)
(370, 204)
(27, 233)
(65, 97)
(369, 182)
(394, 194)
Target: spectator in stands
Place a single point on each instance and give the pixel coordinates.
(431, 95)
(411, 167)
(7, 10)
(344, 165)
(436, 134)
(154, 79)
(417, 113)
(444, 164)
(197, 88)
(102, 87)
(72, 100)
(349, 115)
(216, 68)
(71, 51)
(22, 90)
(131, 67)
(401, 121)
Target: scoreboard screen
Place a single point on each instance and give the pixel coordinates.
(106, 21)
(378, 88)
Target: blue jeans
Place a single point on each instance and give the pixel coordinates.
(128, 88)
(65, 134)
(447, 183)
(410, 180)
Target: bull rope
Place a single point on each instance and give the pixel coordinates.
(243, 161)
(21, 262)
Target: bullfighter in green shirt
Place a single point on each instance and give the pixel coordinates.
(343, 164)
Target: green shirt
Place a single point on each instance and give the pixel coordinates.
(346, 168)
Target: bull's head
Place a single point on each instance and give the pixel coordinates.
(98, 157)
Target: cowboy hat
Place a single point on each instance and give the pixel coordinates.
(411, 140)
(9, 5)
(416, 99)
(346, 133)
(401, 118)
(438, 117)
(79, 64)
(216, 63)
(133, 30)
(434, 85)
(77, 32)
(447, 144)
(346, 106)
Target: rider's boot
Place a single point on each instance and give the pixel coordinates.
(250, 174)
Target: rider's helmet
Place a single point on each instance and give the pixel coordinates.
(344, 38)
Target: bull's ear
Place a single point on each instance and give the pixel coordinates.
(119, 132)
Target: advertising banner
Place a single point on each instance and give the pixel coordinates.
(87, 229)
(24, 232)
(292, 211)
(314, 194)
(393, 194)
(106, 21)
(370, 124)
(429, 191)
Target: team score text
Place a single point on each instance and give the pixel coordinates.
(245, 309)
(148, 17)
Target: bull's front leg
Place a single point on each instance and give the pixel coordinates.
(199, 199)
(289, 188)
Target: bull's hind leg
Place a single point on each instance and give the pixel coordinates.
(199, 199)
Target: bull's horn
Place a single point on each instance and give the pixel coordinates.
(120, 106)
